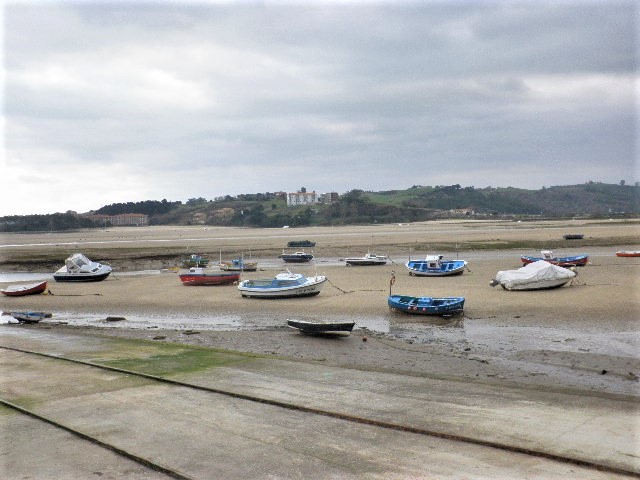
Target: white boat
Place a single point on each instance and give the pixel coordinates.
(284, 285)
(368, 259)
(540, 275)
(79, 268)
(30, 317)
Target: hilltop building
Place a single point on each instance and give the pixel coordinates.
(309, 198)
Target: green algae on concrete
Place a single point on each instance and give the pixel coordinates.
(168, 359)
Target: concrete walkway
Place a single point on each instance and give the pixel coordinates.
(205, 435)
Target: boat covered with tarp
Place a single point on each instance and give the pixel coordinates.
(540, 275)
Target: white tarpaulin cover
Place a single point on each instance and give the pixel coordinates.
(534, 272)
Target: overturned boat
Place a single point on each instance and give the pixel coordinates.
(79, 268)
(540, 275)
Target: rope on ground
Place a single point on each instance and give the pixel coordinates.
(352, 291)
(49, 292)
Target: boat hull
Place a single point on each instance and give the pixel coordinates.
(80, 277)
(22, 290)
(575, 261)
(208, 279)
(322, 328)
(426, 305)
(635, 253)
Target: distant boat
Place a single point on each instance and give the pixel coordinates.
(573, 236)
(239, 265)
(79, 268)
(297, 257)
(322, 327)
(197, 276)
(284, 285)
(435, 266)
(30, 317)
(628, 253)
(426, 305)
(368, 259)
(21, 290)
(300, 244)
(547, 255)
(540, 275)
(195, 261)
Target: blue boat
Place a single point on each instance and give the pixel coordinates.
(435, 266)
(426, 305)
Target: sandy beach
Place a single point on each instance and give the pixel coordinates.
(582, 336)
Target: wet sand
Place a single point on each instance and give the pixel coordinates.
(583, 336)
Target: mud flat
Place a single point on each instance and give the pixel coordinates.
(580, 336)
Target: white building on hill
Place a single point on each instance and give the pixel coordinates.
(302, 198)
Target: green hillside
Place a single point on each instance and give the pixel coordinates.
(417, 203)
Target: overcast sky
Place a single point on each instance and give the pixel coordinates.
(108, 102)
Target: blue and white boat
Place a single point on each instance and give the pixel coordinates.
(284, 285)
(426, 305)
(435, 266)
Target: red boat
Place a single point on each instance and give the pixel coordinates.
(547, 256)
(196, 276)
(21, 290)
(628, 253)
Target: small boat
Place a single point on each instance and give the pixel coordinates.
(426, 305)
(30, 317)
(79, 268)
(368, 259)
(297, 257)
(322, 327)
(300, 244)
(547, 255)
(573, 236)
(540, 275)
(197, 276)
(628, 253)
(239, 265)
(21, 290)
(195, 261)
(435, 266)
(284, 285)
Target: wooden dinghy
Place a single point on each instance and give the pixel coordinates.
(27, 289)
